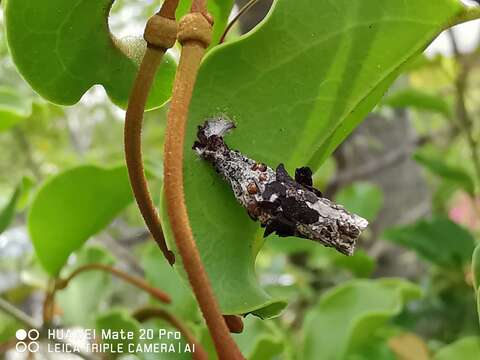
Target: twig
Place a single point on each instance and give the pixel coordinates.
(195, 36)
(160, 34)
(147, 313)
(242, 11)
(18, 314)
(135, 281)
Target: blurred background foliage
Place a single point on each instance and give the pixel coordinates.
(409, 291)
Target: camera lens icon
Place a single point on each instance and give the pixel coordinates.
(31, 345)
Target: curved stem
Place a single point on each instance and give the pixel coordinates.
(135, 281)
(194, 47)
(147, 313)
(133, 135)
(242, 11)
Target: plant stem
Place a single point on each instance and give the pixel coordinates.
(135, 281)
(242, 11)
(159, 35)
(194, 33)
(19, 315)
(147, 313)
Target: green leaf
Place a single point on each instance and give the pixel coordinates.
(14, 107)
(62, 49)
(7, 214)
(259, 340)
(467, 348)
(419, 100)
(219, 9)
(296, 87)
(8, 327)
(453, 174)
(78, 309)
(349, 314)
(71, 207)
(362, 198)
(117, 321)
(438, 240)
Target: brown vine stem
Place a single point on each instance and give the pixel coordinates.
(135, 281)
(195, 36)
(160, 34)
(148, 313)
(242, 11)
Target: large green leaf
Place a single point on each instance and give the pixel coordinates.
(451, 173)
(78, 309)
(348, 315)
(73, 206)
(296, 87)
(413, 98)
(63, 48)
(439, 240)
(14, 107)
(361, 198)
(467, 348)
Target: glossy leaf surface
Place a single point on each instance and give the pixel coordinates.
(63, 48)
(296, 87)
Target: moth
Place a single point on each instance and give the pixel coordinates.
(283, 205)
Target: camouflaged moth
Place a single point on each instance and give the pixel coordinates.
(283, 205)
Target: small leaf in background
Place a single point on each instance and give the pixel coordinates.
(14, 107)
(7, 213)
(116, 321)
(259, 339)
(28, 185)
(219, 9)
(438, 240)
(348, 315)
(362, 198)
(293, 102)
(409, 346)
(476, 276)
(71, 207)
(78, 309)
(418, 100)
(63, 50)
(8, 327)
(467, 348)
(448, 172)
